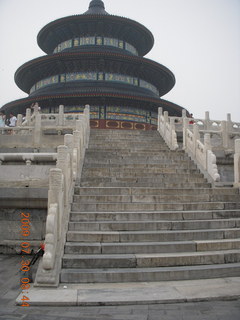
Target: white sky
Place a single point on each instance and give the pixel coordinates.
(198, 40)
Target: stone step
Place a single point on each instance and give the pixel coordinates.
(151, 247)
(148, 144)
(130, 151)
(155, 191)
(167, 185)
(146, 172)
(138, 166)
(120, 133)
(154, 215)
(154, 225)
(124, 135)
(140, 198)
(118, 161)
(152, 236)
(154, 198)
(150, 274)
(152, 260)
(135, 154)
(130, 143)
(147, 180)
(135, 157)
(138, 163)
(111, 207)
(131, 247)
(100, 142)
(127, 149)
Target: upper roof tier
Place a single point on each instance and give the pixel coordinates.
(95, 22)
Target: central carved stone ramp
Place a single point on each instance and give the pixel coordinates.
(145, 213)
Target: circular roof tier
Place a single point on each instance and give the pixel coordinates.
(94, 98)
(86, 87)
(95, 22)
(40, 68)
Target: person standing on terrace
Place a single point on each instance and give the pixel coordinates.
(12, 120)
(2, 119)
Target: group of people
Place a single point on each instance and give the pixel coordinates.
(4, 122)
(12, 120)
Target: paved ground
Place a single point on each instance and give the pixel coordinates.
(10, 289)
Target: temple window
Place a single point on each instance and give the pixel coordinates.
(93, 76)
(99, 41)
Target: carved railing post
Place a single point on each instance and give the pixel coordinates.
(166, 128)
(86, 125)
(225, 134)
(27, 120)
(19, 120)
(207, 147)
(229, 120)
(37, 130)
(185, 128)
(61, 115)
(63, 163)
(160, 113)
(55, 194)
(68, 141)
(165, 116)
(207, 141)
(54, 218)
(196, 137)
(206, 122)
(237, 164)
(229, 128)
(80, 128)
(51, 237)
(173, 135)
(184, 113)
(76, 154)
(211, 160)
(28, 114)
(77, 142)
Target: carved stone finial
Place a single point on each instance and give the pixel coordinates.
(96, 7)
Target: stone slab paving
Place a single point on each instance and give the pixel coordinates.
(217, 307)
(135, 293)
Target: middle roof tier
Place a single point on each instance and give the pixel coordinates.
(157, 75)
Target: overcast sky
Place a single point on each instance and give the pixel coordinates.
(198, 40)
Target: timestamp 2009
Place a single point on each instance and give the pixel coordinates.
(25, 263)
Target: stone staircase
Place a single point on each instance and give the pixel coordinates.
(145, 213)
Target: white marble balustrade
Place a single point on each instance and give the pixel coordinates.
(62, 180)
(201, 139)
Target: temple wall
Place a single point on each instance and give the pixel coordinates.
(26, 201)
(24, 175)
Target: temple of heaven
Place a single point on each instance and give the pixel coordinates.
(98, 59)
